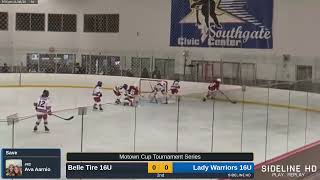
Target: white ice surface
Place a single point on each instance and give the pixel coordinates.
(156, 126)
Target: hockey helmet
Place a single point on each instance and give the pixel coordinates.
(125, 86)
(219, 80)
(99, 83)
(45, 93)
(162, 83)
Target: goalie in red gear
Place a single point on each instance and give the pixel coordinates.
(97, 94)
(131, 96)
(212, 89)
(43, 109)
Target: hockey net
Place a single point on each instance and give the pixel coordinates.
(146, 87)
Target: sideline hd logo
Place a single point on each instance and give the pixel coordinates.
(222, 23)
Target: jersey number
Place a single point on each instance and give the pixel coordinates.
(41, 103)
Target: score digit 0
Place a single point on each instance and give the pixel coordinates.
(160, 167)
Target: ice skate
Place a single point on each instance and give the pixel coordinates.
(117, 101)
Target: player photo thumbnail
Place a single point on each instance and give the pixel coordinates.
(13, 167)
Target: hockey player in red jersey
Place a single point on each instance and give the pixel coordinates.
(118, 91)
(175, 87)
(43, 109)
(133, 90)
(212, 89)
(131, 96)
(97, 94)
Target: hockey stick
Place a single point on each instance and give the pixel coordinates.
(67, 119)
(26, 117)
(233, 102)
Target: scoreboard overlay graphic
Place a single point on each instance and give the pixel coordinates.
(160, 165)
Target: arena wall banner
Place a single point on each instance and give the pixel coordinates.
(222, 23)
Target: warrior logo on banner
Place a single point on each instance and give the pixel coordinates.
(222, 23)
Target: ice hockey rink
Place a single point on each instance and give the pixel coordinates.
(265, 54)
(188, 126)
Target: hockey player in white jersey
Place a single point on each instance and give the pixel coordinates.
(43, 109)
(119, 91)
(159, 87)
(97, 94)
